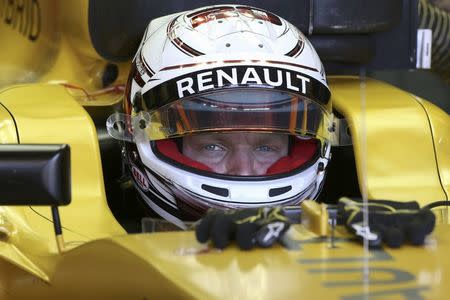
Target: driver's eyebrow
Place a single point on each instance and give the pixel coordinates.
(210, 140)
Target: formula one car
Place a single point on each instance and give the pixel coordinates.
(63, 68)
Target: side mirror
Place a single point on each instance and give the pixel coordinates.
(33, 174)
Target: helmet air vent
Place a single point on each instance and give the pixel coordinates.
(216, 190)
(279, 191)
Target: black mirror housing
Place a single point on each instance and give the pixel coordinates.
(35, 174)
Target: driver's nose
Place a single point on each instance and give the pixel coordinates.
(242, 163)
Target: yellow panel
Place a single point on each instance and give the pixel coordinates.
(77, 61)
(174, 266)
(48, 114)
(7, 128)
(29, 244)
(47, 41)
(30, 39)
(440, 124)
(399, 153)
(75, 23)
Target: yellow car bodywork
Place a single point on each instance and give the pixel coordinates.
(402, 152)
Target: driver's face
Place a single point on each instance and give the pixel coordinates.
(237, 153)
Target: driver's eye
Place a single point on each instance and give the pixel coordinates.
(264, 148)
(213, 147)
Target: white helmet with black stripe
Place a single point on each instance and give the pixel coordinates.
(225, 68)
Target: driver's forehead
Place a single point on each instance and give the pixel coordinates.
(238, 138)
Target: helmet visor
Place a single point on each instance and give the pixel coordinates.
(240, 109)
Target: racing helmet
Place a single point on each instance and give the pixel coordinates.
(224, 68)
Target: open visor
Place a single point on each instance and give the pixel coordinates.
(237, 109)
